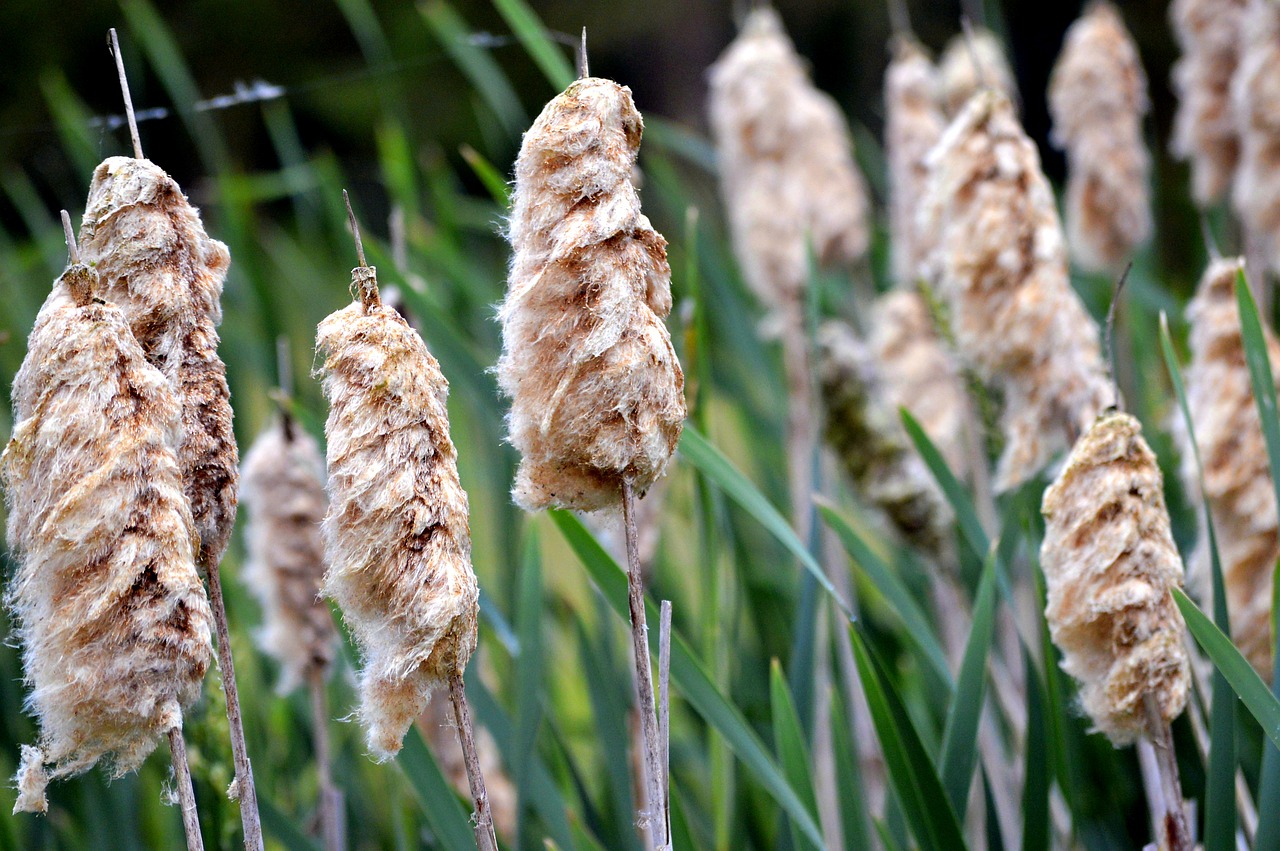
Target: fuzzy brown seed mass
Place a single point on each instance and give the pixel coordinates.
(162, 269)
(396, 535)
(111, 613)
(1255, 94)
(1000, 268)
(959, 78)
(282, 486)
(596, 389)
(1109, 563)
(1237, 477)
(1098, 96)
(787, 172)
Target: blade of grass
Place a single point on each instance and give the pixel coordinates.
(440, 804)
(789, 741)
(961, 504)
(529, 671)
(531, 33)
(853, 801)
(477, 65)
(1035, 790)
(497, 186)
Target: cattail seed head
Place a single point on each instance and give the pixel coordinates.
(158, 264)
(596, 389)
(1237, 476)
(959, 78)
(1204, 128)
(1000, 268)
(913, 125)
(1255, 93)
(787, 172)
(1109, 564)
(282, 486)
(1097, 97)
(396, 534)
(110, 610)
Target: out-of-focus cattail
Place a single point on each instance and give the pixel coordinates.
(162, 269)
(282, 486)
(959, 78)
(867, 437)
(396, 535)
(1237, 477)
(1000, 268)
(440, 724)
(110, 609)
(596, 389)
(913, 125)
(1109, 563)
(787, 171)
(1255, 92)
(1097, 96)
(1204, 129)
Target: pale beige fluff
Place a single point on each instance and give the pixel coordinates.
(1097, 97)
(596, 390)
(397, 538)
(1000, 268)
(1109, 564)
(162, 269)
(1256, 97)
(867, 436)
(787, 172)
(282, 487)
(912, 126)
(959, 79)
(441, 728)
(919, 373)
(1204, 128)
(110, 611)
(1237, 476)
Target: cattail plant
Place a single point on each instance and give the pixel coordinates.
(1204, 128)
(971, 62)
(1255, 92)
(1109, 564)
(110, 611)
(1097, 97)
(596, 390)
(1000, 268)
(1237, 477)
(397, 534)
(439, 723)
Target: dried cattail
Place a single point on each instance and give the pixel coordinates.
(1000, 268)
(282, 485)
(1237, 477)
(595, 386)
(1204, 128)
(913, 124)
(440, 724)
(396, 535)
(787, 171)
(1109, 563)
(1255, 92)
(1097, 97)
(110, 609)
(959, 78)
(867, 437)
(162, 269)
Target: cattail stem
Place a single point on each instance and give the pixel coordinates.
(800, 427)
(332, 827)
(114, 44)
(186, 795)
(652, 761)
(664, 710)
(245, 790)
(1167, 811)
(485, 838)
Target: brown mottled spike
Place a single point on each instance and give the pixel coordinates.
(1255, 91)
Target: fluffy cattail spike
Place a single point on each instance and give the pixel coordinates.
(396, 534)
(1097, 97)
(972, 61)
(596, 389)
(1255, 91)
(109, 607)
(1110, 562)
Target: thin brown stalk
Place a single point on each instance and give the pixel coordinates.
(114, 45)
(1173, 831)
(332, 826)
(652, 762)
(485, 839)
(186, 795)
(664, 710)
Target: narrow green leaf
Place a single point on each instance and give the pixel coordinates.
(492, 179)
(788, 739)
(477, 64)
(961, 504)
(689, 677)
(1035, 790)
(530, 668)
(283, 828)
(440, 805)
(853, 807)
(546, 54)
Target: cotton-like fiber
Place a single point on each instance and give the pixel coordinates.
(110, 610)
(1256, 99)
(913, 125)
(396, 535)
(282, 488)
(162, 269)
(1097, 97)
(1000, 268)
(960, 79)
(787, 173)
(1109, 564)
(596, 390)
